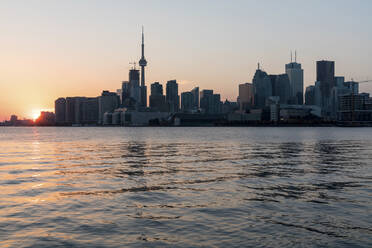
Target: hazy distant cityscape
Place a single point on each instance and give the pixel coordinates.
(269, 100)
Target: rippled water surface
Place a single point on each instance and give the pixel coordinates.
(185, 187)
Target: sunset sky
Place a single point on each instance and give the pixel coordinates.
(51, 49)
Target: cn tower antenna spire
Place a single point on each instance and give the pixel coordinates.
(143, 63)
(143, 39)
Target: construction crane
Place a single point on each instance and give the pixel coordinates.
(133, 65)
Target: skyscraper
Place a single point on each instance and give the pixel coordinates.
(325, 75)
(281, 87)
(142, 62)
(90, 110)
(125, 92)
(245, 96)
(262, 88)
(296, 81)
(107, 102)
(172, 97)
(157, 98)
(187, 101)
(135, 89)
(195, 94)
(60, 110)
(210, 103)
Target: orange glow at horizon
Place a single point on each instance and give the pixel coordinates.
(35, 113)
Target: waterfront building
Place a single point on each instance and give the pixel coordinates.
(299, 113)
(262, 88)
(172, 97)
(187, 101)
(70, 110)
(60, 111)
(116, 117)
(355, 107)
(46, 119)
(107, 102)
(90, 111)
(73, 113)
(136, 118)
(245, 96)
(296, 80)
(78, 110)
(13, 120)
(107, 119)
(229, 107)
(340, 88)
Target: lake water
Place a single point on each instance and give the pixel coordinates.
(185, 187)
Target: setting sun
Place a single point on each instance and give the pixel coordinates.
(35, 114)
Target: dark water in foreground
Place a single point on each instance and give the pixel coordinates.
(185, 187)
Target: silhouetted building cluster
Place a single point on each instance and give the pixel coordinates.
(282, 96)
(14, 121)
(268, 99)
(338, 100)
(46, 119)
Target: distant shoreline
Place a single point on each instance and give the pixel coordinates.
(218, 125)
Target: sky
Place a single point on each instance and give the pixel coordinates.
(51, 49)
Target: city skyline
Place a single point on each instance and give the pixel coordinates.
(39, 70)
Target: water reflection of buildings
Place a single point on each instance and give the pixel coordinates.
(133, 162)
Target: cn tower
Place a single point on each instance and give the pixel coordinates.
(142, 62)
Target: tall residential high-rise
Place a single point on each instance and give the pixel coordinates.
(90, 110)
(296, 80)
(187, 101)
(157, 98)
(210, 103)
(325, 75)
(135, 89)
(125, 92)
(70, 110)
(206, 101)
(172, 97)
(195, 94)
(107, 102)
(245, 96)
(143, 63)
(262, 88)
(60, 110)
